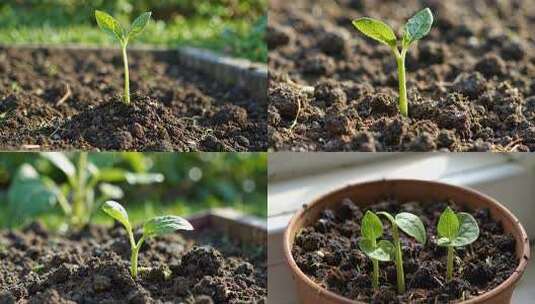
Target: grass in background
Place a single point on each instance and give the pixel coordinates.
(233, 27)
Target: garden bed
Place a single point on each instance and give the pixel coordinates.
(327, 252)
(470, 81)
(70, 98)
(217, 263)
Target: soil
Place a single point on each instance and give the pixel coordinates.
(93, 267)
(471, 81)
(328, 253)
(55, 99)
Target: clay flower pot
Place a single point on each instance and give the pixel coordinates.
(405, 190)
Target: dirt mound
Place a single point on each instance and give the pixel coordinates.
(63, 99)
(93, 267)
(471, 81)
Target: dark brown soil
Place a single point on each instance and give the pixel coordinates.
(471, 81)
(54, 99)
(328, 253)
(93, 267)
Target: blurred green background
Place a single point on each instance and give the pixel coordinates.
(234, 27)
(193, 182)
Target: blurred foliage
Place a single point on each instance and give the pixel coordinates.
(235, 27)
(193, 181)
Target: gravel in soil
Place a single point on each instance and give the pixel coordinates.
(471, 81)
(93, 267)
(56, 99)
(327, 252)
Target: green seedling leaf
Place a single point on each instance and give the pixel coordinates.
(411, 225)
(418, 26)
(111, 175)
(109, 25)
(165, 224)
(111, 191)
(139, 24)
(117, 211)
(388, 216)
(371, 227)
(376, 30)
(143, 178)
(61, 161)
(448, 224)
(382, 251)
(468, 231)
(28, 194)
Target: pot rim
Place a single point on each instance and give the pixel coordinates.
(510, 281)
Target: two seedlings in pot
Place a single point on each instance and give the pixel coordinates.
(415, 29)
(153, 227)
(384, 250)
(454, 230)
(111, 26)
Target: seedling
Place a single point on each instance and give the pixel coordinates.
(111, 26)
(455, 230)
(372, 229)
(411, 225)
(415, 29)
(154, 227)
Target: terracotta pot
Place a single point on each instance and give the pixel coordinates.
(405, 190)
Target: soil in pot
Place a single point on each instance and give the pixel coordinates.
(71, 99)
(327, 252)
(471, 81)
(93, 267)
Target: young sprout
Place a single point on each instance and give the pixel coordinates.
(416, 28)
(111, 26)
(411, 225)
(371, 229)
(455, 230)
(155, 226)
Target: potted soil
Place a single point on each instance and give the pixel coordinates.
(222, 261)
(320, 246)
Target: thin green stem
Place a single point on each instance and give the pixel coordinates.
(403, 102)
(134, 257)
(399, 260)
(126, 76)
(78, 205)
(449, 274)
(64, 204)
(375, 263)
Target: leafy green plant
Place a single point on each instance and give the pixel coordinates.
(111, 26)
(415, 29)
(371, 230)
(154, 227)
(85, 188)
(411, 225)
(455, 230)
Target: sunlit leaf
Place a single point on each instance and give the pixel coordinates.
(376, 30)
(117, 211)
(61, 161)
(165, 224)
(371, 226)
(139, 24)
